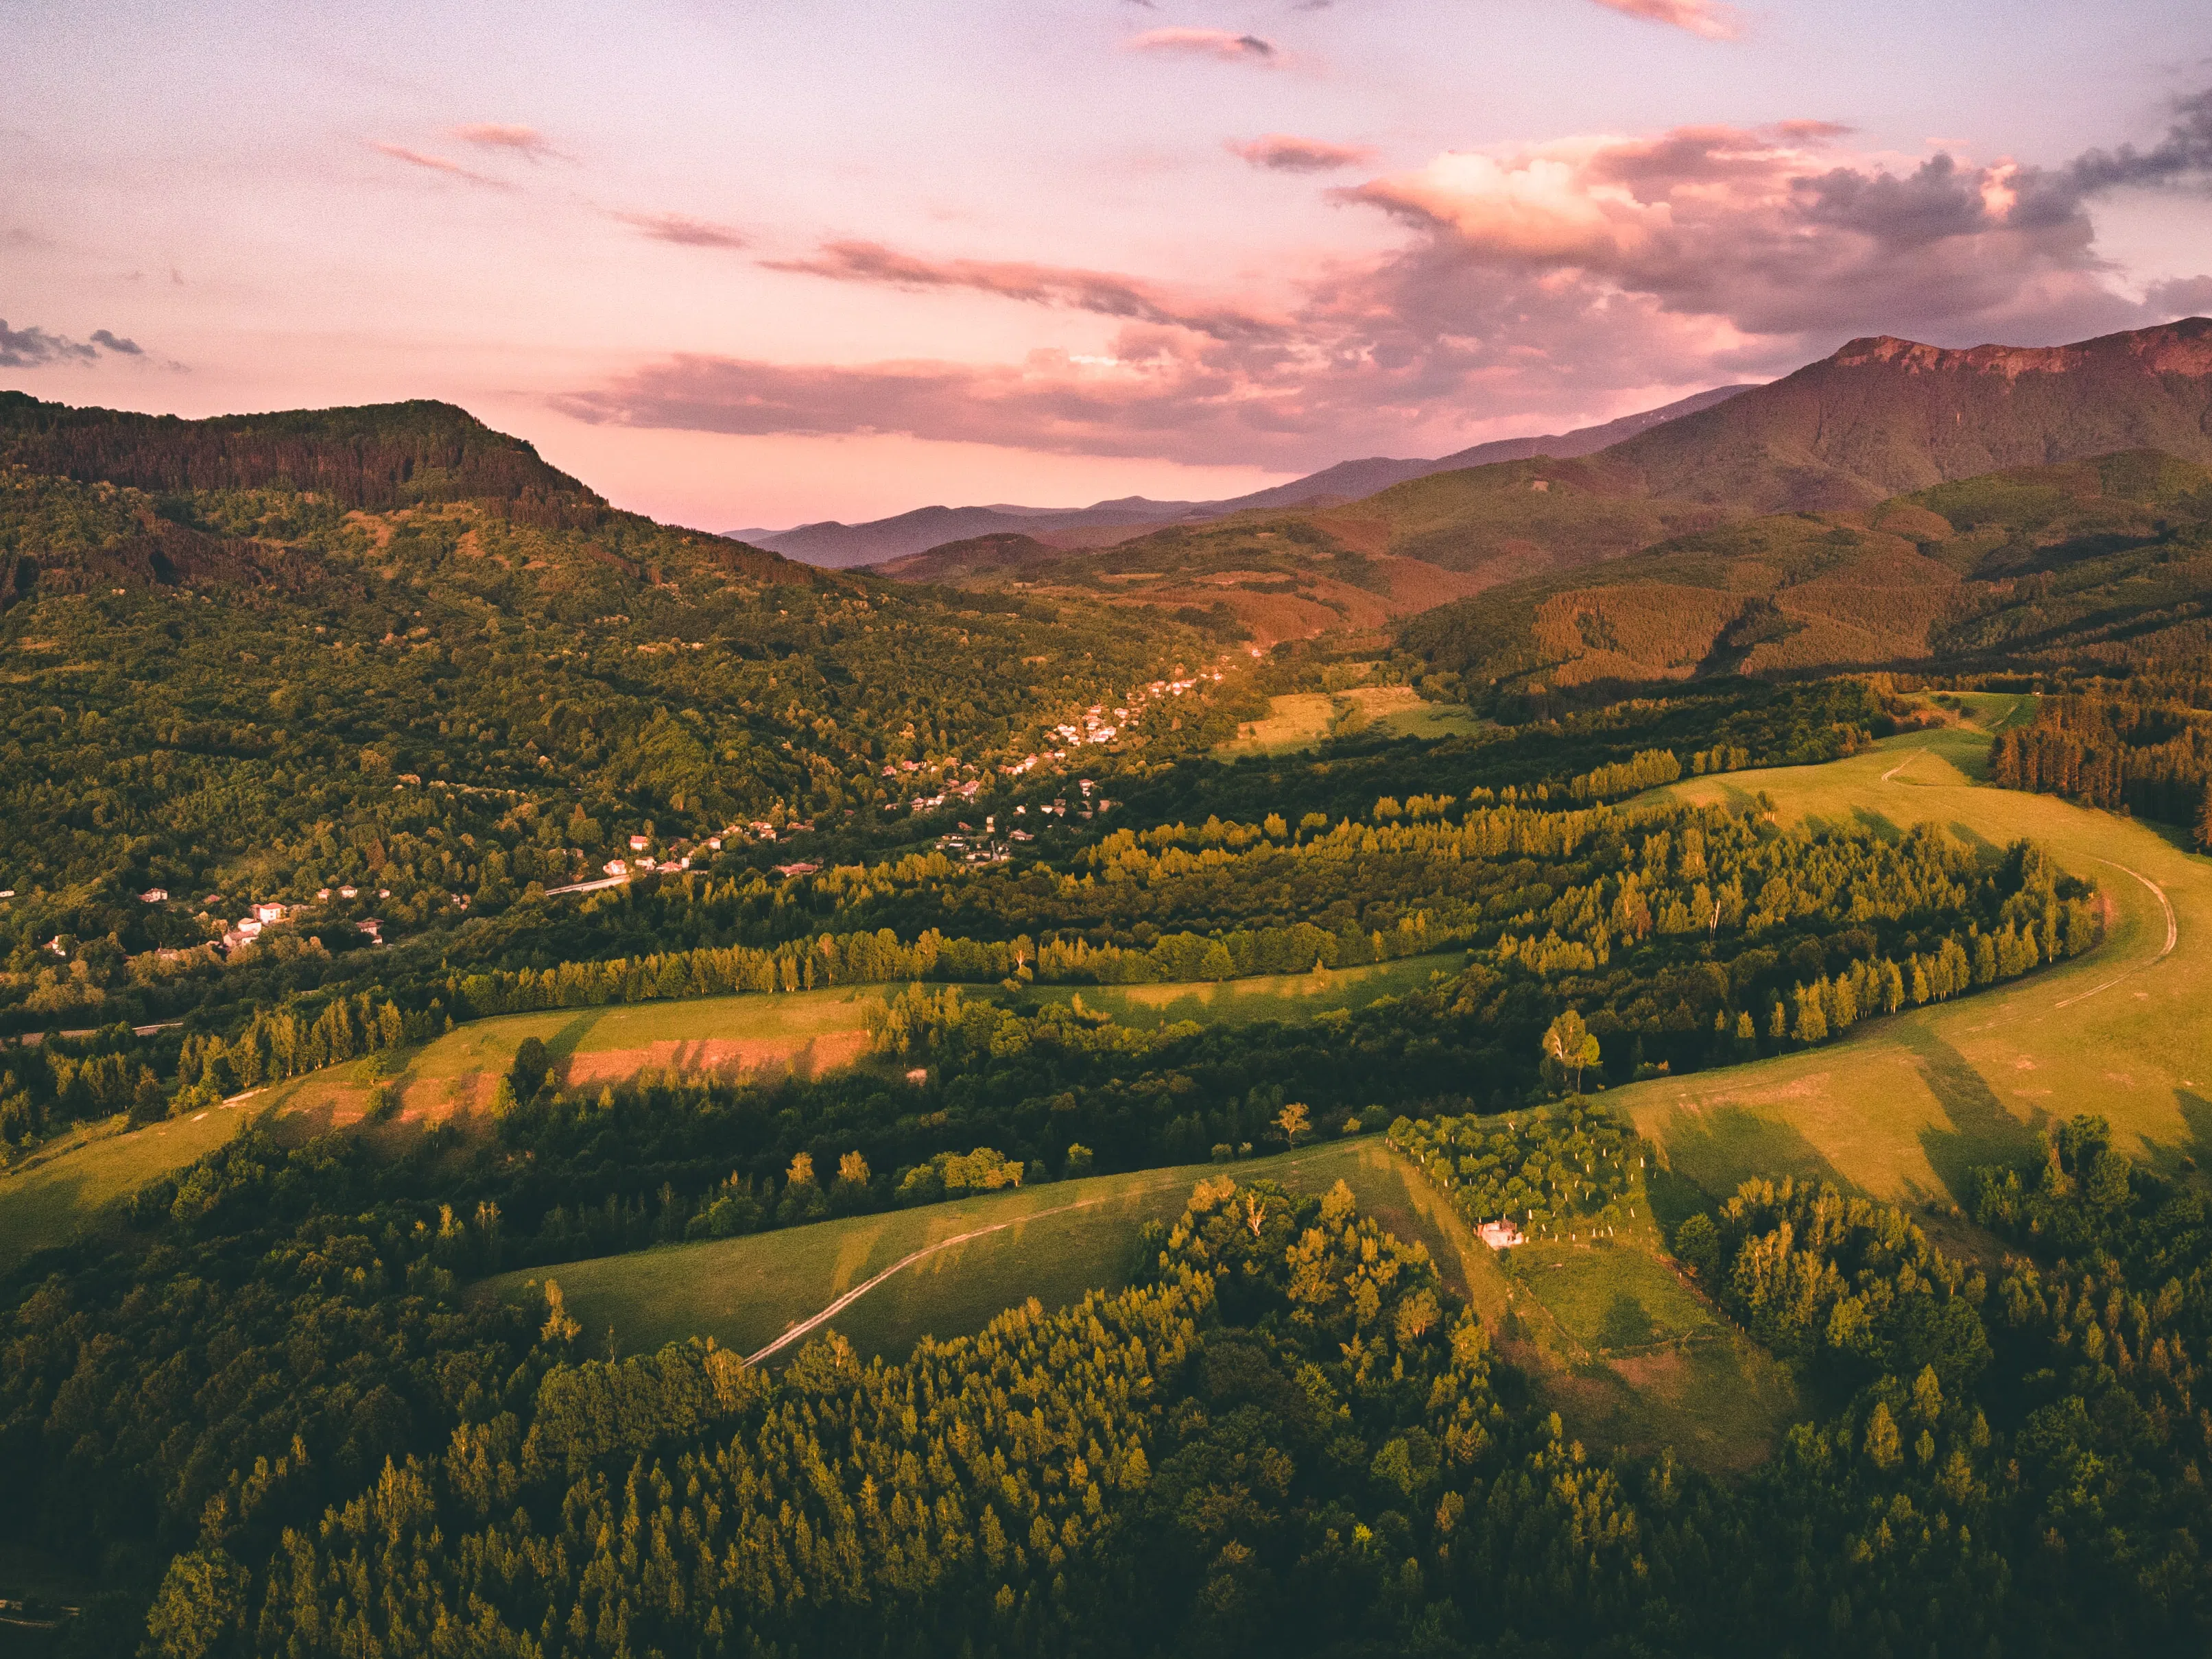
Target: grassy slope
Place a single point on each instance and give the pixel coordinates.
(1271, 996)
(1907, 1105)
(43, 1203)
(1070, 1237)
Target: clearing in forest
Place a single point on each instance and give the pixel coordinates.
(1269, 996)
(1305, 720)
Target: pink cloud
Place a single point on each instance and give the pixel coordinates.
(1554, 279)
(1706, 18)
(1106, 293)
(1220, 44)
(1283, 153)
(525, 142)
(437, 164)
(683, 231)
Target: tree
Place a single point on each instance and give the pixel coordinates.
(2204, 819)
(1570, 1045)
(201, 1607)
(1293, 1121)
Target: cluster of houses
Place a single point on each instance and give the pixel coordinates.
(1096, 728)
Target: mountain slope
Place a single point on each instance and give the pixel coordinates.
(2107, 560)
(1884, 415)
(841, 546)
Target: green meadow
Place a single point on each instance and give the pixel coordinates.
(1906, 1106)
(44, 1202)
(1053, 1242)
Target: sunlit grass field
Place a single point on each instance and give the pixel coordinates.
(1273, 996)
(1905, 1107)
(1066, 1237)
(44, 1203)
(1305, 719)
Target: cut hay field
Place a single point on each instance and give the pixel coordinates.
(1907, 1105)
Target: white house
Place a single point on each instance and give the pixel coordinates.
(1499, 1235)
(638, 844)
(348, 892)
(617, 867)
(154, 896)
(268, 912)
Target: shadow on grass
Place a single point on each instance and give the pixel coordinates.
(1721, 1149)
(1982, 1131)
(2191, 1157)
(1675, 1198)
(1880, 825)
(570, 1037)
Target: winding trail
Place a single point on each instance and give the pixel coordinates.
(907, 1260)
(2172, 936)
(1902, 764)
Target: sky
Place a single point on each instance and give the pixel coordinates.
(754, 263)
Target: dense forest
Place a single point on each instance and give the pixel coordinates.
(1286, 1437)
(2143, 744)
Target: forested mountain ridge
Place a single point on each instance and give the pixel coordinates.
(1878, 418)
(927, 529)
(261, 691)
(375, 456)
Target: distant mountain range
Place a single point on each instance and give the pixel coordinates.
(842, 546)
(1879, 418)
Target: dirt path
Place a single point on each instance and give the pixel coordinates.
(2172, 936)
(904, 1262)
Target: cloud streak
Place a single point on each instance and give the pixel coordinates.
(525, 142)
(1106, 293)
(1281, 152)
(1562, 278)
(1710, 20)
(683, 230)
(1221, 44)
(415, 158)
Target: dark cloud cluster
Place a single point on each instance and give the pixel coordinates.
(1554, 279)
(36, 348)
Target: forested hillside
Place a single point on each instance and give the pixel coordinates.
(1289, 1437)
(2098, 562)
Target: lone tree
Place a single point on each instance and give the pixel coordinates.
(1293, 1122)
(1570, 1045)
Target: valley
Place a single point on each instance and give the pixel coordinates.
(1036, 973)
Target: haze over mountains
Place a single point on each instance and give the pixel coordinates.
(840, 546)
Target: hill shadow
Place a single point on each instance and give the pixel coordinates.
(1982, 1132)
(1719, 1150)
